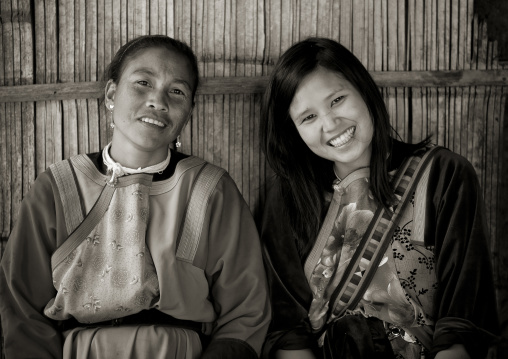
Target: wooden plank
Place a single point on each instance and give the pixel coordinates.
(216, 129)
(101, 67)
(260, 39)
(8, 79)
(225, 145)
(245, 134)
(253, 167)
(379, 37)
(94, 144)
(4, 193)
(238, 149)
(208, 138)
(153, 16)
(116, 24)
(140, 18)
(228, 41)
(358, 31)
(287, 24)
(346, 14)
(321, 17)
(335, 21)
(7, 163)
(247, 85)
(27, 108)
(308, 20)
(453, 119)
(250, 38)
(5, 208)
(232, 133)
(370, 35)
(255, 171)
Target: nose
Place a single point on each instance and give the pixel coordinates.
(157, 101)
(328, 121)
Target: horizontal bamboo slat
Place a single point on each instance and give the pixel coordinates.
(257, 84)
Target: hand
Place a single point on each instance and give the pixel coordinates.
(456, 351)
(294, 354)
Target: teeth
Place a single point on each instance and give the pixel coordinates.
(154, 122)
(344, 138)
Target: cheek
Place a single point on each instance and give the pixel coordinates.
(310, 135)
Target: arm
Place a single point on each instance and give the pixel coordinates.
(456, 351)
(290, 294)
(235, 272)
(26, 284)
(294, 354)
(465, 304)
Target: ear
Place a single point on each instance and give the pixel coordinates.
(109, 93)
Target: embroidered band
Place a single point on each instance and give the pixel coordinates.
(64, 178)
(190, 233)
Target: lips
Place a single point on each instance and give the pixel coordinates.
(343, 138)
(152, 121)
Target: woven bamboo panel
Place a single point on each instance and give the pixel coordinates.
(59, 43)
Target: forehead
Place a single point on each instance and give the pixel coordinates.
(161, 61)
(318, 85)
(322, 79)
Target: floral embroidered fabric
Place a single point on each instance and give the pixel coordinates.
(111, 273)
(402, 289)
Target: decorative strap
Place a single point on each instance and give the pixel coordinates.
(64, 177)
(90, 222)
(190, 231)
(372, 248)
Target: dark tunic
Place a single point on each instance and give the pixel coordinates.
(464, 305)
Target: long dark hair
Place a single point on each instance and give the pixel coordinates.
(303, 176)
(131, 48)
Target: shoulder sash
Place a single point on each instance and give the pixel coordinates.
(372, 248)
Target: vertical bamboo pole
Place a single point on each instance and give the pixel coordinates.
(27, 108)
(5, 150)
(346, 17)
(40, 78)
(92, 75)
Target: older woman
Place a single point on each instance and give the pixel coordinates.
(137, 251)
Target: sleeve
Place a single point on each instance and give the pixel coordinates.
(234, 269)
(465, 303)
(290, 294)
(26, 283)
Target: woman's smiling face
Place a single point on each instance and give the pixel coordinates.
(333, 120)
(152, 101)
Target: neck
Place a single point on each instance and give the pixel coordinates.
(131, 158)
(343, 171)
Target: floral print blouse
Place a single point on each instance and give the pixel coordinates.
(402, 289)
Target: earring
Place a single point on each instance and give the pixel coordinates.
(178, 143)
(112, 125)
(111, 107)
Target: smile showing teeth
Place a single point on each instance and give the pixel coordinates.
(344, 138)
(153, 122)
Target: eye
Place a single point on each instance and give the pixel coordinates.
(143, 83)
(308, 118)
(178, 92)
(337, 100)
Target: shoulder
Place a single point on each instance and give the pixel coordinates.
(450, 165)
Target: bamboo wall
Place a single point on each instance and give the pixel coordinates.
(432, 59)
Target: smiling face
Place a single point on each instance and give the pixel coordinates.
(152, 103)
(333, 120)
